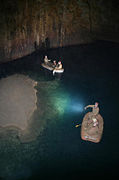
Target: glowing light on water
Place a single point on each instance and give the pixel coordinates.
(61, 103)
(65, 104)
(77, 107)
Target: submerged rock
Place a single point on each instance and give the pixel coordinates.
(17, 101)
(23, 115)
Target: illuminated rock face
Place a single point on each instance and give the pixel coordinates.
(17, 101)
(32, 24)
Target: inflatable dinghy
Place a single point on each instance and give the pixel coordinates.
(89, 132)
(58, 71)
(48, 66)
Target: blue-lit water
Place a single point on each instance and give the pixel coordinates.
(90, 75)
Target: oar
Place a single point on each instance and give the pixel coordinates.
(77, 125)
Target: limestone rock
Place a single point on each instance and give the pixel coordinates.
(30, 25)
(17, 101)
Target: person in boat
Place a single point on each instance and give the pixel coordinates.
(58, 66)
(95, 122)
(46, 60)
(54, 63)
(93, 114)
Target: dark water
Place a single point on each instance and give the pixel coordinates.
(91, 74)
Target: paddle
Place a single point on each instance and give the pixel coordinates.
(77, 125)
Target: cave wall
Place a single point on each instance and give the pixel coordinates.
(27, 25)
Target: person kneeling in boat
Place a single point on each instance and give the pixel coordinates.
(93, 114)
(58, 67)
(46, 60)
(95, 122)
(54, 64)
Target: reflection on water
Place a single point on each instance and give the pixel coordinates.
(90, 75)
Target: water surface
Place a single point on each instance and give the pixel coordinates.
(58, 152)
